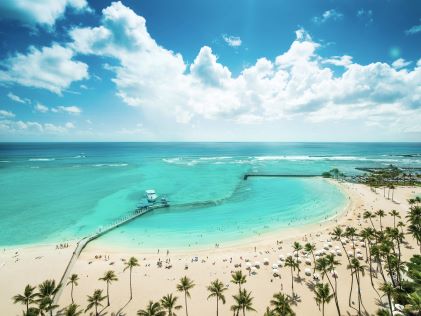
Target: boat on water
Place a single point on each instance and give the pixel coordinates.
(151, 196)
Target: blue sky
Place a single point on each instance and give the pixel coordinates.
(143, 70)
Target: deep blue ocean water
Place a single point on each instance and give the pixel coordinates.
(51, 192)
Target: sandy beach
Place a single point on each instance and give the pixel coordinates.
(22, 265)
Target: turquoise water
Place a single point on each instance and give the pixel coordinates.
(52, 192)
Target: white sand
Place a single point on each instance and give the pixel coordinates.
(151, 282)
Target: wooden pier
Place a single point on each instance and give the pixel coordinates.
(274, 175)
(81, 244)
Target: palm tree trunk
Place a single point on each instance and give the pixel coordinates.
(27, 306)
(71, 294)
(334, 294)
(131, 293)
(350, 291)
(108, 294)
(217, 301)
(292, 282)
(185, 302)
(323, 308)
(390, 304)
(314, 262)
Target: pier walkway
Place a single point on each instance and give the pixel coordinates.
(81, 244)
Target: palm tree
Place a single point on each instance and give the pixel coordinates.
(238, 278)
(217, 289)
(414, 305)
(130, 264)
(281, 306)
(323, 295)
(289, 262)
(153, 309)
(32, 311)
(327, 265)
(169, 302)
(297, 247)
(47, 291)
(389, 290)
(109, 277)
(414, 220)
(357, 269)
(185, 286)
(395, 214)
(73, 281)
(95, 301)
(243, 301)
(310, 248)
(71, 310)
(392, 187)
(380, 214)
(46, 304)
(269, 312)
(368, 215)
(27, 298)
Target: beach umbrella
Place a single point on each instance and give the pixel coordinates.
(274, 266)
(333, 252)
(279, 263)
(257, 264)
(358, 250)
(289, 255)
(338, 252)
(266, 261)
(307, 271)
(308, 261)
(316, 276)
(253, 270)
(248, 265)
(334, 274)
(275, 270)
(350, 253)
(337, 247)
(281, 257)
(326, 246)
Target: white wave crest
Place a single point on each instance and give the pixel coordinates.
(111, 165)
(41, 159)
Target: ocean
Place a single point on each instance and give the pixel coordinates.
(54, 192)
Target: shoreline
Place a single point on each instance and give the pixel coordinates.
(211, 263)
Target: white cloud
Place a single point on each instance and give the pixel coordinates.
(34, 128)
(233, 41)
(17, 98)
(343, 61)
(39, 107)
(69, 125)
(414, 29)
(299, 83)
(44, 12)
(6, 114)
(50, 68)
(400, 63)
(67, 109)
(331, 14)
(206, 69)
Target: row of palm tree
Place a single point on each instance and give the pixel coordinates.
(383, 260)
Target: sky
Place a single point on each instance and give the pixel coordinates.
(220, 70)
